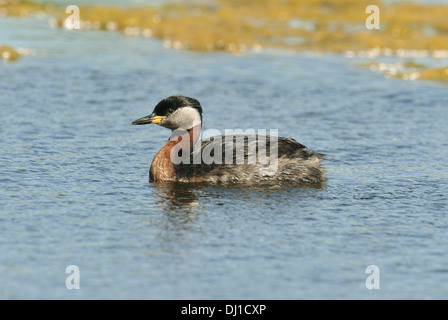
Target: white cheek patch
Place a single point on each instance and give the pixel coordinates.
(184, 118)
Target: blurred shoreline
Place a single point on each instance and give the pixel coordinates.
(408, 31)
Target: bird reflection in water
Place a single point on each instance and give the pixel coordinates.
(177, 197)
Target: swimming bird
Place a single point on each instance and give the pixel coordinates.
(252, 158)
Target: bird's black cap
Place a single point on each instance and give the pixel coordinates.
(171, 104)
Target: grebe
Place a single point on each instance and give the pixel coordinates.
(291, 161)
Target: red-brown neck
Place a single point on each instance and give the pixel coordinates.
(162, 167)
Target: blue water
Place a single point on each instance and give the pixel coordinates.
(74, 184)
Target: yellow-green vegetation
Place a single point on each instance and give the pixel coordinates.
(238, 25)
(408, 70)
(439, 74)
(21, 8)
(8, 53)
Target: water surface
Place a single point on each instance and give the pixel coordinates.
(75, 190)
